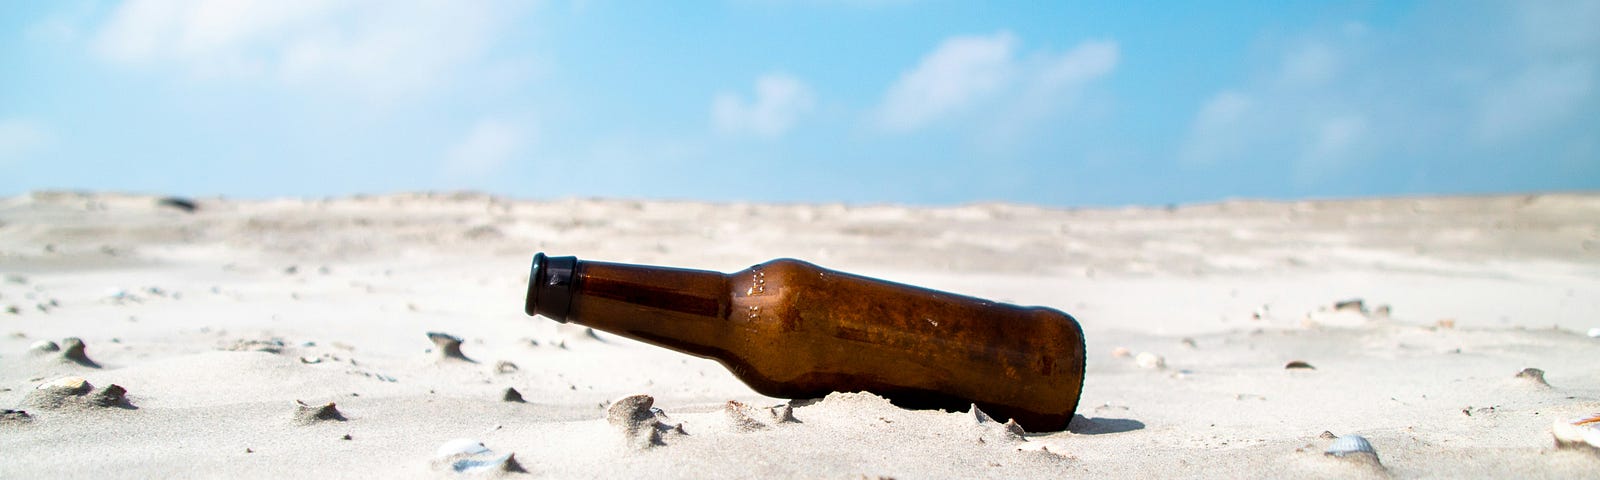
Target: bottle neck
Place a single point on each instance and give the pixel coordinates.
(550, 287)
(677, 308)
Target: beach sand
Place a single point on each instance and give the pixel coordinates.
(233, 327)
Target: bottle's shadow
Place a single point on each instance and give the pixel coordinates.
(1082, 425)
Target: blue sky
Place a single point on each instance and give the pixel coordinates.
(900, 101)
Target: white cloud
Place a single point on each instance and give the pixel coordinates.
(968, 73)
(20, 138)
(1086, 62)
(780, 100)
(486, 148)
(378, 49)
(957, 73)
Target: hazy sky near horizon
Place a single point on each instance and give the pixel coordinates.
(902, 101)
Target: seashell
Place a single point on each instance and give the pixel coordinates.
(505, 367)
(1351, 305)
(465, 455)
(270, 346)
(449, 346)
(512, 395)
(14, 416)
(1150, 360)
(111, 396)
(72, 351)
(739, 416)
(70, 385)
(1578, 433)
(75, 391)
(745, 418)
(1121, 352)
(782, 413)
(1298, 364)
(991, 430)
(639, 423)
(1533, 375)
(306, 414)
(1347, 445)
(43, 346)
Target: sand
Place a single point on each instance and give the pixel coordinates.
(231, 328)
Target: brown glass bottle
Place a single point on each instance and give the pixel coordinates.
(790, 329)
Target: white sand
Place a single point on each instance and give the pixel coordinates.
(1517, 276)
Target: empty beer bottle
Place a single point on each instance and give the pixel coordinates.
(790, 329)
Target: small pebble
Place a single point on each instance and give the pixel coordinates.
(1297, 364)
(1150, 360)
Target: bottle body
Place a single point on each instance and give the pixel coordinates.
(791, 329)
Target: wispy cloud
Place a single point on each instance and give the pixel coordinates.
(965, 73)
(1352, 95)
(780, 99)
(377, 49)
(952, 77)
(21, 138)
(487, 147)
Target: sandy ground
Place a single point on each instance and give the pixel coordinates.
(217, 322)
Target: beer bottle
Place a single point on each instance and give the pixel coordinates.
(790, 329)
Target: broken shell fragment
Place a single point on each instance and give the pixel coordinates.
(43, 347)
(70, 385)
(1579, 433)
(1533, 375)
(994, 431)
(1298, 364)
(111, 396)
(641, 425)
(306, 414)
(77, 392)
(745, 418)
(782, 413)
(1150, 360)
(448, 346)
(70, 350)
(1351, 445)
(740, 417)
(14, 416)
(512, 395)
(465, 455)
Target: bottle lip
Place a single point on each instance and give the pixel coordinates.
(550, 285)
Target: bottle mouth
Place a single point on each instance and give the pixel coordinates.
(550, 284)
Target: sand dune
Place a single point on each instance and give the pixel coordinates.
(221, 323)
